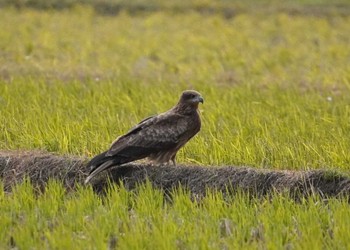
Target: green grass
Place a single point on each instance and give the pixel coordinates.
(276, 96)
(134, 220)
(275, 87)
(274, 127)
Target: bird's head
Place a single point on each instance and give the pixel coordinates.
(190, 99)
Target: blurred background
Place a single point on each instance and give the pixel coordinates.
(275, 76)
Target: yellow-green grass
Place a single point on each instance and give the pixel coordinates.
(275, 87)
(144, 220)
(276, 91)
(242, 125)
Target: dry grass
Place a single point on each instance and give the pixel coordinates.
(40, 167)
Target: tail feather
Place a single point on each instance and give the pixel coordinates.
(102, 162)
(100, 168)
(97, 161)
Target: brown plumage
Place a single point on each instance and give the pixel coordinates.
(157, 138)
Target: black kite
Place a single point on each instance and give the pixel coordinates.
(157, 137)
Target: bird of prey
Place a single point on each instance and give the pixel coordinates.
(157, 138)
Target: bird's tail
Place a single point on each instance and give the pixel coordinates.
(102, 162)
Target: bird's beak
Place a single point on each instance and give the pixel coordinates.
(200, 99)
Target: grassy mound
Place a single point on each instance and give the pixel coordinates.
(41, 166)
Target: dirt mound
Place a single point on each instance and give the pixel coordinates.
(41, 166)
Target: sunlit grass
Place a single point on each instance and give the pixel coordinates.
(242, 125)
(275, 86)
(143, 219)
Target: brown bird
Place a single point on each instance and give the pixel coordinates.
(157, 138)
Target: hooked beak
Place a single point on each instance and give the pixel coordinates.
(200, 99)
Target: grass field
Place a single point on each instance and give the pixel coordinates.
(276, 88)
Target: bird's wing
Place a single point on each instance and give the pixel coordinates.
(154, 133)
(139, 126)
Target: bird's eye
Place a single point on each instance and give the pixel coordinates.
(192, 96)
